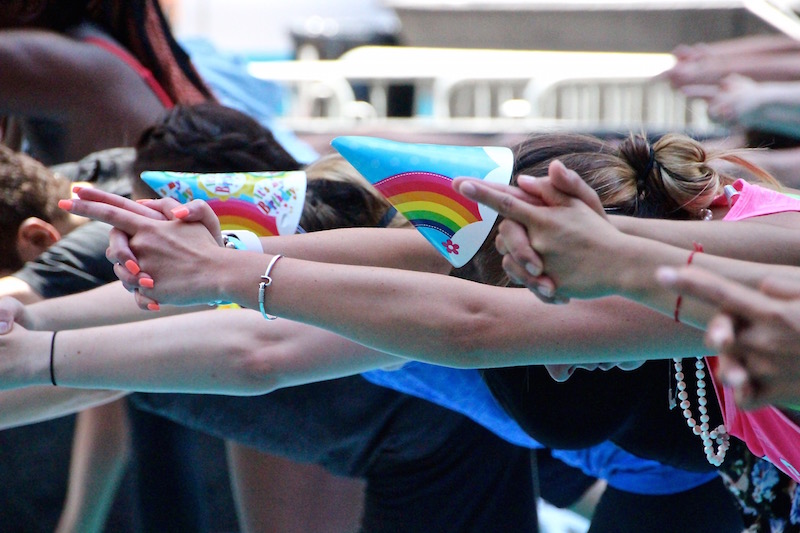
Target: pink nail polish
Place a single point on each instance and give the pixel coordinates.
(153, 307)
(180, 212)
(65, 205)
(147, 283)
(132, 267)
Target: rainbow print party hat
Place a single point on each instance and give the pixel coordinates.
(417, 180)
(266, 203)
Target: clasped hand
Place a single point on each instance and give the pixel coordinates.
(555, 239)
(159, 247)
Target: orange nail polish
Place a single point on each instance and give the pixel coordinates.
(65, 205)
(154, 307)
(143, 201)
(132, 267)
(180, 212)
(147, 283)
(76, 188)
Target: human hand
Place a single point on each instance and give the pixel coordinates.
(736, 97)
(24, 357)
(170, 253)
(12, 311)
(566, 236)
(692, 69)
(756, 332)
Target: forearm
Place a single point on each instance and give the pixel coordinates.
(387, 247)
(452, 322)
(218, 351)
(35, 404)
(757, 44)
(766, 67)
(108, 304)
(635, 266)
(772, 239)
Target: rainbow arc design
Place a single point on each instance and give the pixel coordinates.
(417, 180)
(429, 201)
(266, 203)
(236, 214)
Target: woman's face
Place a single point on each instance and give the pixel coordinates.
(563, 372)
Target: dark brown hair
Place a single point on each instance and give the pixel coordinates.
(27, 189)
(208, 137)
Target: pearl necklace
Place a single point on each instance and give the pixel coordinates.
(720, 434)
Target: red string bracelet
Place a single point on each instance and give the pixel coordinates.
(697, 248)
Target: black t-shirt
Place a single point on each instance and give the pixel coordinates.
(630, 408)
(77, 262)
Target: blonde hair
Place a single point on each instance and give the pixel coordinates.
(673, 177)
(338, 196)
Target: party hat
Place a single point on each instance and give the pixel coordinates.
(417, 180)
(266, 203)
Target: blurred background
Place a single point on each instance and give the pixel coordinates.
(404, 68)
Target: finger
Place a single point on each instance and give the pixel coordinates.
(505, 203)
(121, 218)
(10, 310)
(731, 371)
(569, 182)
(500, 244)
(146, 303)
(716, 290)
(500, 187)
(720, 332)
(200, 211)
(542, 286)
(783, 288)
(164, 206)
(545, 189)
(128, 278)
(96, 195)
(517, 273)
(517, 243)
(119, 250)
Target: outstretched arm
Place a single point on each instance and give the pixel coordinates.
(217, 351)
(586, 256)
(36, 404)
(423, 316)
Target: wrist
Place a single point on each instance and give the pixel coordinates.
(635, 262)
(27, 370)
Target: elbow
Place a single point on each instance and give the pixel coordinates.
(471, 341)
(254, 372)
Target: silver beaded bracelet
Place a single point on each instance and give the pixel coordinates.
(266, 281)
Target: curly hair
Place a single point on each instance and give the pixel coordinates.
(27, 189)
(208, 137)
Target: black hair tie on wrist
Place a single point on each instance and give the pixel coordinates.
(52, 362)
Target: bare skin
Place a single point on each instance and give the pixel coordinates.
(100, 102)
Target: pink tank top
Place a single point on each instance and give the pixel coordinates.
(767, 432)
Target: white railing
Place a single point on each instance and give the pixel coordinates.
(488, 87)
